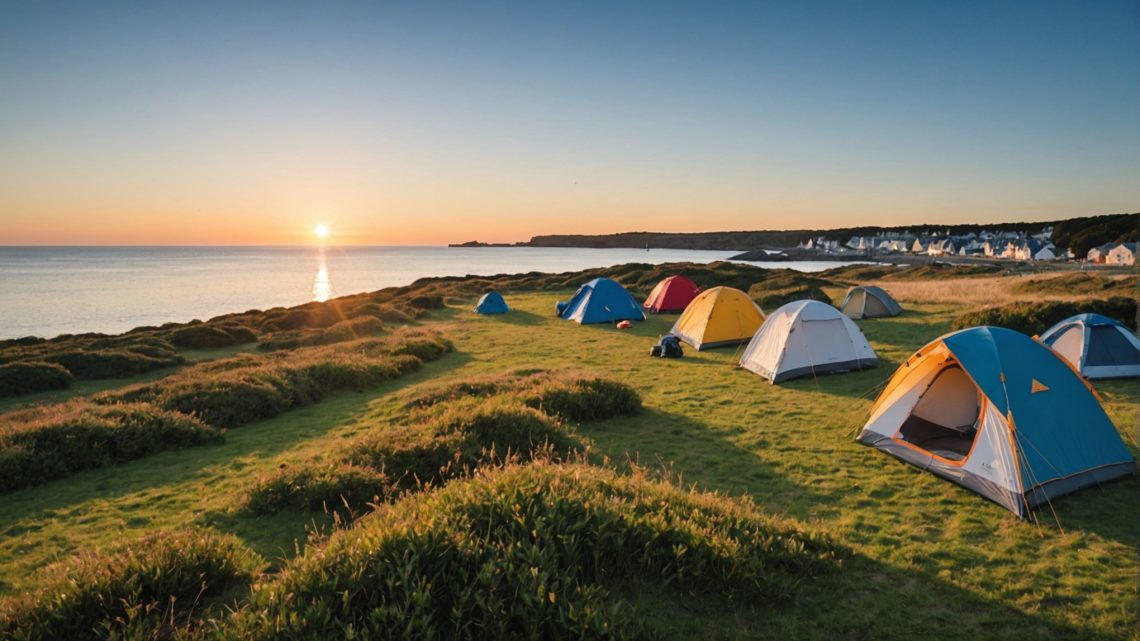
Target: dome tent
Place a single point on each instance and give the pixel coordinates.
(718, 317)
(1097, 346)
(600, 301)
(672, 294)
(492, 303)
(999, 413)
(869, 301)
(807, 337)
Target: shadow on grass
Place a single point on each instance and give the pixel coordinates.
(698, 454)
(862, 599)
(517, 317)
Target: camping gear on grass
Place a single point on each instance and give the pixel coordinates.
(999, 413)
(1097, 346)
(868, 301)
(601, 301)
(492, 303)
(718, 317)
(624, 324)
(668, 346)
(807, 337)
(672, 294)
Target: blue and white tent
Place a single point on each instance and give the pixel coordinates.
(492, 303)
(1001, 414)
(601, 301)
(1097, 346)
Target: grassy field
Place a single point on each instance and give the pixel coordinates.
(924, 557)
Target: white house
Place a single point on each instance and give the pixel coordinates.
(1097, 254)
(1122, 254)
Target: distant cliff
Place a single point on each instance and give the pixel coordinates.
(1081, 232)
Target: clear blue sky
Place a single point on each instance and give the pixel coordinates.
(430, 122)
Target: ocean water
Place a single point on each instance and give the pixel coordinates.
(47, 291)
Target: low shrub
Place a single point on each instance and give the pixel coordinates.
(1077, 283)
(145, 590)
(537, 551)
(248, 388)
(1034, 318)
(206, 336)
(448, 441)
(584, 399)
(28, 377)
(49, 442)
(230, 400)
(92, 364)
(318, 486)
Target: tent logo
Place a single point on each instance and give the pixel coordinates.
(1037, 386)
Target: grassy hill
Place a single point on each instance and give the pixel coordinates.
(717, 506)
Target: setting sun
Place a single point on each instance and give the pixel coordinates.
(322, 231)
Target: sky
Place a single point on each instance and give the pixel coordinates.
(426, 123)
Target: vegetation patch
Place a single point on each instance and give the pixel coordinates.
(440, 443)
(239, 391)
(538, 551)
(163, 584)
(49, 442)
(1035, 318)
(779, 287)
(570, 396)
(31, 376)
(1078, 283)
(208, 336)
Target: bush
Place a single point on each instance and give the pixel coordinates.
(541, 551)
(143, 590)
(450, 441)
(584, 399)
(228, 401)
(211, 336)
(50, 442)
(27, 377)
(111, 363)
(1035, 318)
(317, 486)
(248, 388)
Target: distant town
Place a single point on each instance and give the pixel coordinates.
(1012, 245)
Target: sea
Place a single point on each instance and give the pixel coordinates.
(48, 291)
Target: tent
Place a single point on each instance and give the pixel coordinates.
(868, 301)
(601, 301)
(807, 337)
(492, 303)
(672, 294)
(717, 317)
(999, 413)
(1097, 346)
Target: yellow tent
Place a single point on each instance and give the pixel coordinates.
(719, 316)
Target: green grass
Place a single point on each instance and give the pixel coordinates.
(927, 557)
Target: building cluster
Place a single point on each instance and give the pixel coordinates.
(1013, 245)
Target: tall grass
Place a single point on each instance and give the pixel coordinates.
(49, 442)
(156, 588)
(1035, 318)
(539, 551)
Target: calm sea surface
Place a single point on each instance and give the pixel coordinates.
(46, 291)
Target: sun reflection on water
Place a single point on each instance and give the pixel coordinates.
(322, 286)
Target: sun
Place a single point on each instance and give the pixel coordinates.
(322, 231)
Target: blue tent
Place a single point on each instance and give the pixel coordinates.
(601, 301)
(1098, 346)
(492, 303)
(1001, 414)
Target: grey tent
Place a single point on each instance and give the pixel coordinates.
(868, 301)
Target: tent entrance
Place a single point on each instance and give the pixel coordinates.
(945, 420)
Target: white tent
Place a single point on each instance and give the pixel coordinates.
(1097, 346)
(807, 337)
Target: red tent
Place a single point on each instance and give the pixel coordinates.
(672, 295)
